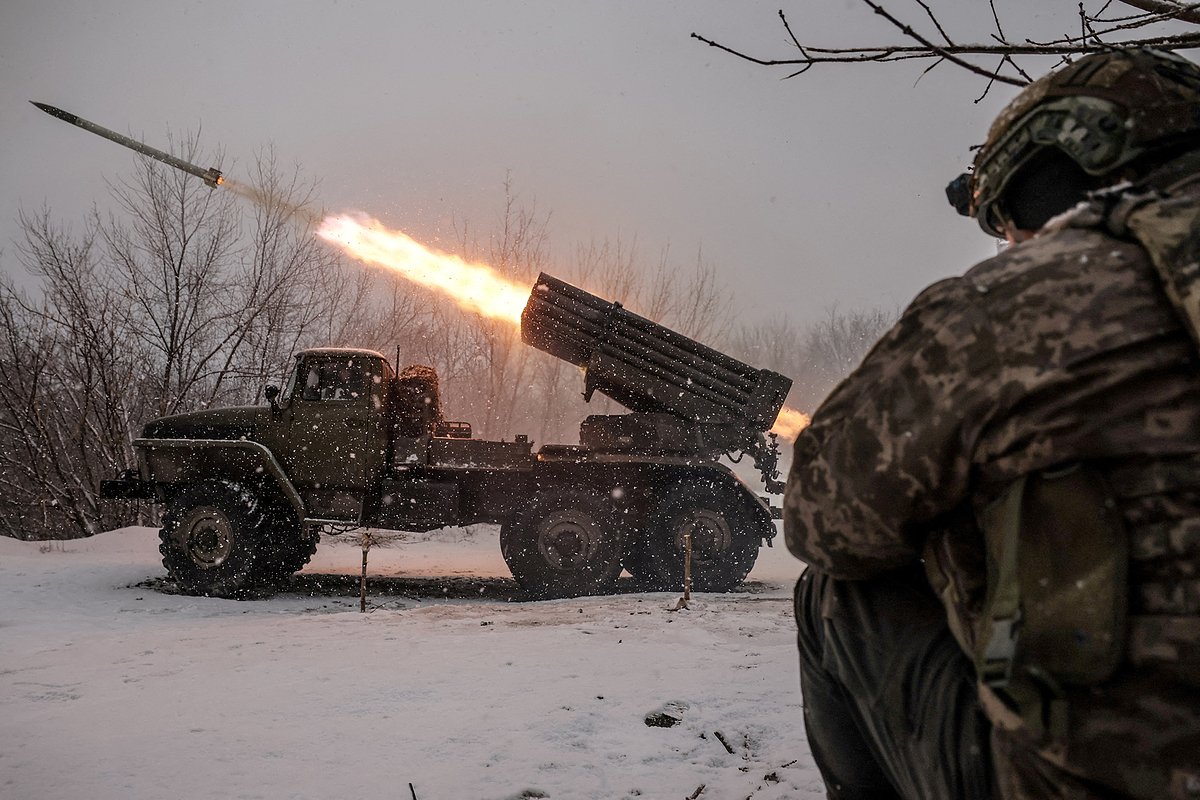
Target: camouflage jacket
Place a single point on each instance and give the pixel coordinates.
(1064, 349)
(1061, 349)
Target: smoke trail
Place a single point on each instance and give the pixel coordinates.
(269, 201)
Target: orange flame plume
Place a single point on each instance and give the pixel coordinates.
(790, 422)
(475, 287)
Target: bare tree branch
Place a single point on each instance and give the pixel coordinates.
(1189, 12)
(952, 58)
(1096, 34)
(937, 24)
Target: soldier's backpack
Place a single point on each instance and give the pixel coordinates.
(1057, 553)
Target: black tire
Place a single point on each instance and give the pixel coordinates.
(285, 547)
(210, 539)
(725, 536)
(564, 543)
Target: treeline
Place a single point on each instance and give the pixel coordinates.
(183, 298)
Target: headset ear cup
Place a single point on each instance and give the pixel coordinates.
(958, 192)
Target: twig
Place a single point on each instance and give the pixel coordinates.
(1017, 67)
(991, 81)
(1142, 18)
(721, 738)
(927, 71)
(1093, 36)
(1077, 44)
(967, 65)
(996, 17)
(695, 794)
(1183, 13)
(889, 53)
(938, 24)
(412, 791)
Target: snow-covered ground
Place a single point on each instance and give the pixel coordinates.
(115, 688)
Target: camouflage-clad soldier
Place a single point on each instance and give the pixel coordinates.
(1000, 508)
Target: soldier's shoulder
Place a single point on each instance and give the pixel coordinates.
(946, 299)
(1059, 248)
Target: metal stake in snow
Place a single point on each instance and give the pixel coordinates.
(682, 603)
(687, 568)
(366, 542)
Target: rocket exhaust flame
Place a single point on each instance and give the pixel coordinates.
(474, 287)
(790, 422)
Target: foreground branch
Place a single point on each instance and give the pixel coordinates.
(1097, 35)
(1167, 9)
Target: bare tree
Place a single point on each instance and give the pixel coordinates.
(1164, 24)
(295, 291)
(702, 307)
(817, 356)
(835, 344)
(694, 303)
(174, 302)
(68, 387)
(518, 250)
(212, 306)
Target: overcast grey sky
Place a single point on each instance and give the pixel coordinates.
(825, 189)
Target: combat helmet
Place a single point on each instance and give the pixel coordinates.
(1102, 112)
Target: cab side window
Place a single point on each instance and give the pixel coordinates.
(335, 379)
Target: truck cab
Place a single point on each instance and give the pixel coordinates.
(330, 428)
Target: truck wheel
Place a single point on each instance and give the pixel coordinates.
(210, 537)
(564, 543)
(285, 548)
(724, 537)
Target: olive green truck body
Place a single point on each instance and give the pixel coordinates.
(348, 442)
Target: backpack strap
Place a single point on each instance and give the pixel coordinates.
(1169, 229)
(996, 648)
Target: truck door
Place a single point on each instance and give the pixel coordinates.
(334, 420)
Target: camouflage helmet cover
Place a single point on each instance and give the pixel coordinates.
(1101, 111)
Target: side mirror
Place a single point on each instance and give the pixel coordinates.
(272, 393)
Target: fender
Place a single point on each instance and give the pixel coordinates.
(756, 504)
(759, 508)
(168, 461)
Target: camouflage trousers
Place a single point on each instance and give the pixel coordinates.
(890, 705)
(891, 710)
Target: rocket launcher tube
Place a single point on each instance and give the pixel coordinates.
(645, 366)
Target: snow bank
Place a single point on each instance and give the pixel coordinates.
(114, 688)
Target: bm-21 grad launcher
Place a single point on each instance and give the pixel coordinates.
(686, 398)
(349, 442)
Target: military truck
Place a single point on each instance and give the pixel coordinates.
(349, 442)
